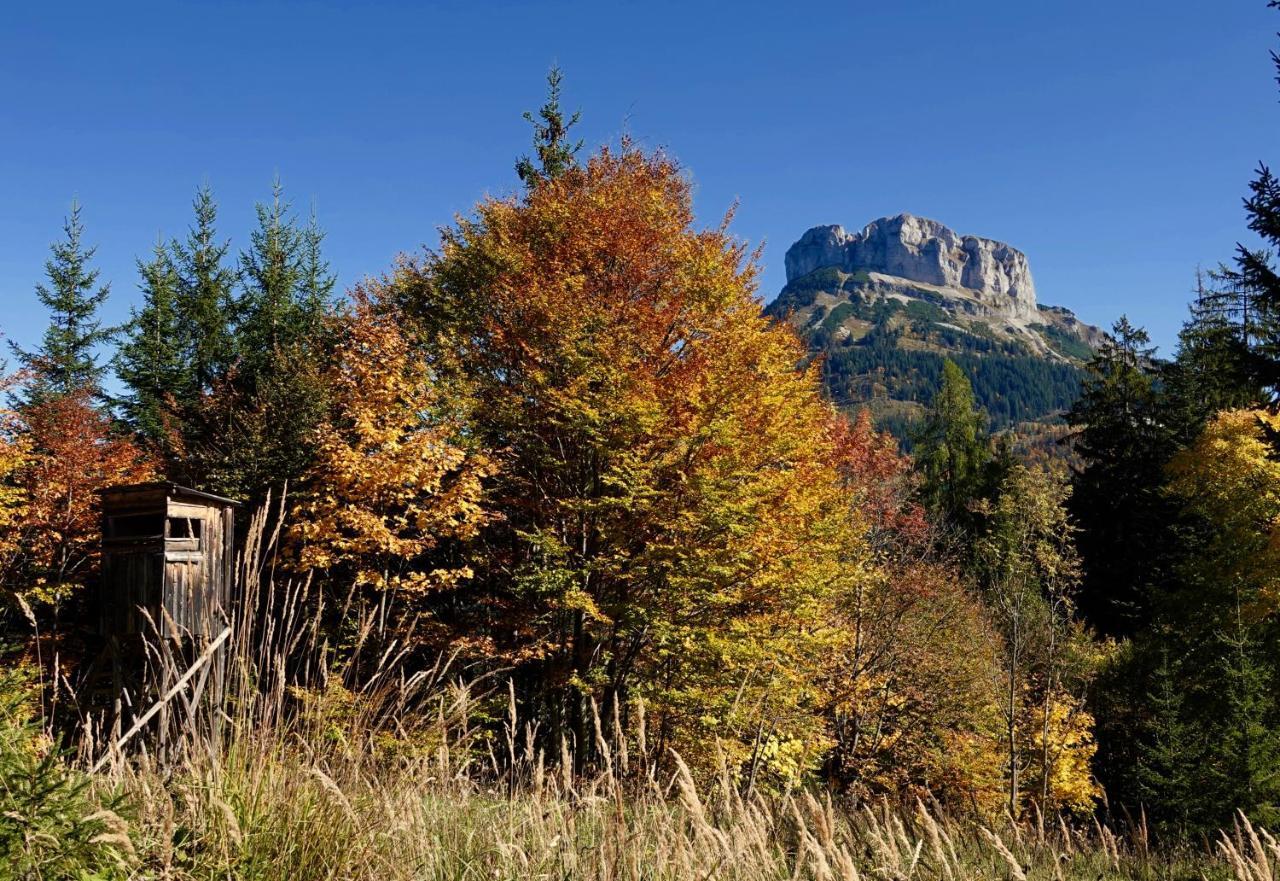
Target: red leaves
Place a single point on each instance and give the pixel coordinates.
(878, 477)
(73, 452)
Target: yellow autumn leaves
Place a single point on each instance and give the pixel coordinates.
(392, 479)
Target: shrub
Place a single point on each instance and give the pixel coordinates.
(51, 826)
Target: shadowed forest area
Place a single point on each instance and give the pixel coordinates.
(551, 562)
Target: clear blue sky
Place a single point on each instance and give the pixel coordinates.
(1111, 141)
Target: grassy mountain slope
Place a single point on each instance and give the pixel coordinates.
(883, 340)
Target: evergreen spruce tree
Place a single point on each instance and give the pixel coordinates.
(1244, 641)
(272, 314)
(1211, 370)
(66, 361)
(952, 448)
(1255, 275)
(1247, 741)
(1215, 612)
(151, 361)
(181, 342)
(206, 298)
(1117, 500)
(1169, 752)
(256, 429)
(554, 152)
(316, 281)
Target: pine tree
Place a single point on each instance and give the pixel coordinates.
(952, 448)
(555, 153)
(1254, 274)
(151, 361)
(271, 270)
(256, 425)
(66, 361)
(316, 282)
(1223, 610)
(1248, 744)
(1168, 751)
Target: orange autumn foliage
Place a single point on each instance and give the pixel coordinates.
(669, 508)
(906, 673)
(392, 477)
(879, 478)
(71, 452)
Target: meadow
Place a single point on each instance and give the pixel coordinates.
(370, 769)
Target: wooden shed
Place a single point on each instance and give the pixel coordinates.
(165, 547)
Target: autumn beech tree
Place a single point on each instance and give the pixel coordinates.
(662, 469)
(1028, 567)
(1229, 479)
(393, 480)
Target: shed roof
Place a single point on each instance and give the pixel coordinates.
(171, 489)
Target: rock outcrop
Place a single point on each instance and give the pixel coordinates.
(885, 306)
(942, 283)
(916, 249)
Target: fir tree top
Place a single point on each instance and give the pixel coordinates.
(555, 153)
(953, 445)
(206, 300)
(66, 360)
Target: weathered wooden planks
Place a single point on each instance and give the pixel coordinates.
(167, 550)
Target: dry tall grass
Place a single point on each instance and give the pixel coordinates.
(369, 770)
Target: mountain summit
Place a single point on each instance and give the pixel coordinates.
(886, 305)
(922, 250)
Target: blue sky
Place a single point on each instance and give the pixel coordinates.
(1111, 141)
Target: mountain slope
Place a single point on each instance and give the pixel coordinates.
(885, 306)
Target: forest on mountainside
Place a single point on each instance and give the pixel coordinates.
(890, 359)
(551, 523)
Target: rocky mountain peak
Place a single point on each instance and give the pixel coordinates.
(916, 249)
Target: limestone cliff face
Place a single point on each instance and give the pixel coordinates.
(883, 308)
(916, 249)
(929, 284)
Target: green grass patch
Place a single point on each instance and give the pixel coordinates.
(1064, 343)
